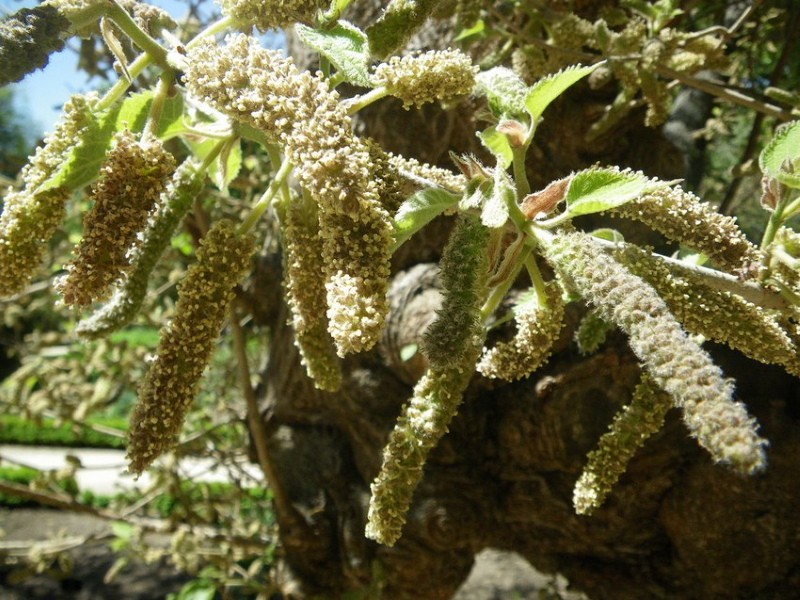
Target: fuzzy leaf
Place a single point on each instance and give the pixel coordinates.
(418, 210)
(497, 144)
(344, 45)
(547, 89)
(598, 189)
(783, 149)
(495, 209)
(504, 91)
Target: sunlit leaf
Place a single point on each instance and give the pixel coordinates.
(418, 210)
(780, 159)
(344, 45)
(497, 144)
(547, 89)
(598, 189)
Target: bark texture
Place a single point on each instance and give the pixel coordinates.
(675, 527)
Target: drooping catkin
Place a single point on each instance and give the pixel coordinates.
(31, 216)
(185, 185)
(674, 360)
(398, 23)
(300, 112)
(683, 217)
(304, 281)
(631, 428)
(28, 37)
(537, 329)
(417, 79)
(187, 343)
(437, 395)
(133, 176)
(715, 314)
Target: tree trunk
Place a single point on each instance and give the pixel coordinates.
(676, 526)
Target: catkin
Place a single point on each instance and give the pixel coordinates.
(28, 38)
(187, 343)
(425, 418)
(675, 361)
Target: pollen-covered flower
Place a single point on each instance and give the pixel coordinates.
(305, 290)
(675, 361)
(631, 428)
(437, 395)
(270, 14)
(187, 343)
(185, 185)
(683, 217)
(31, 216)
(132, 179)
(28, 37)
(417, 79)
(537, 329)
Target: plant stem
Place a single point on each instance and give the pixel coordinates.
(356, 104)
(121, 86)
(137, 35)
(157, 107)
(213, 29)
(266, 199)
(537, 281)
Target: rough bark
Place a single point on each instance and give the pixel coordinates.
(676, 526)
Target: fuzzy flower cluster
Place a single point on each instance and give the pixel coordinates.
(683, 217)
(187, 343)
(437, 395)
(631, 428)
(305, 292)
(417, 79)
(298, 111)
(28, 37)
(591, 332)
(537, 329)
(185, 185)
(31, 216)
(132, 178)
(717, 315)
(273, 14)
(674, 360)
(422, 173)
(397, 24)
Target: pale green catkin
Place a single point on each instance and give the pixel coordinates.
(27, 38)
(400, 20)
(132, 178)
(631, 428)
(187, 343)
(683, 217)
(427, 415)
(674, 360)
(185, 186)
(304, 282)
(717, 315)
(299, 111)
(537, 329)
(31, 216)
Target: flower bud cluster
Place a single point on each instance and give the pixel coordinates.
(305, 291)
(675, 361)
(537, 329)
(187, 343)
(591, 332)
(298, 111)
(417, 79)
(631, 428)
(717, 315)
(272, 14)
(683, 217)
(31, 216)
(412, 168)
(437, 395)
(132, 178)
(27, 38)
(185, 185)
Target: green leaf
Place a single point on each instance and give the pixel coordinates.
(408, 351)
(475, 31)
(418, 210)
(494, 213)
(122, 530)
(598, 189)
(227, 166)
(133, 111)
(547, 89)
(497, 144)
(608, 234)
(344, 45)
(783, 150)
(504, 91)
(171, 123)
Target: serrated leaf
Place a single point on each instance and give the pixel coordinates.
(418, 210)
(783, 149)
(227, 166)
(547, 89)
(598, 189)
(497, 143)
(504, 91)
(133, 111)
(344, 45)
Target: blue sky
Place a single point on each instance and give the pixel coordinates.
(42, 93)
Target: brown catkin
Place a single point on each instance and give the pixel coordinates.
(187, 343)
(132, 179)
